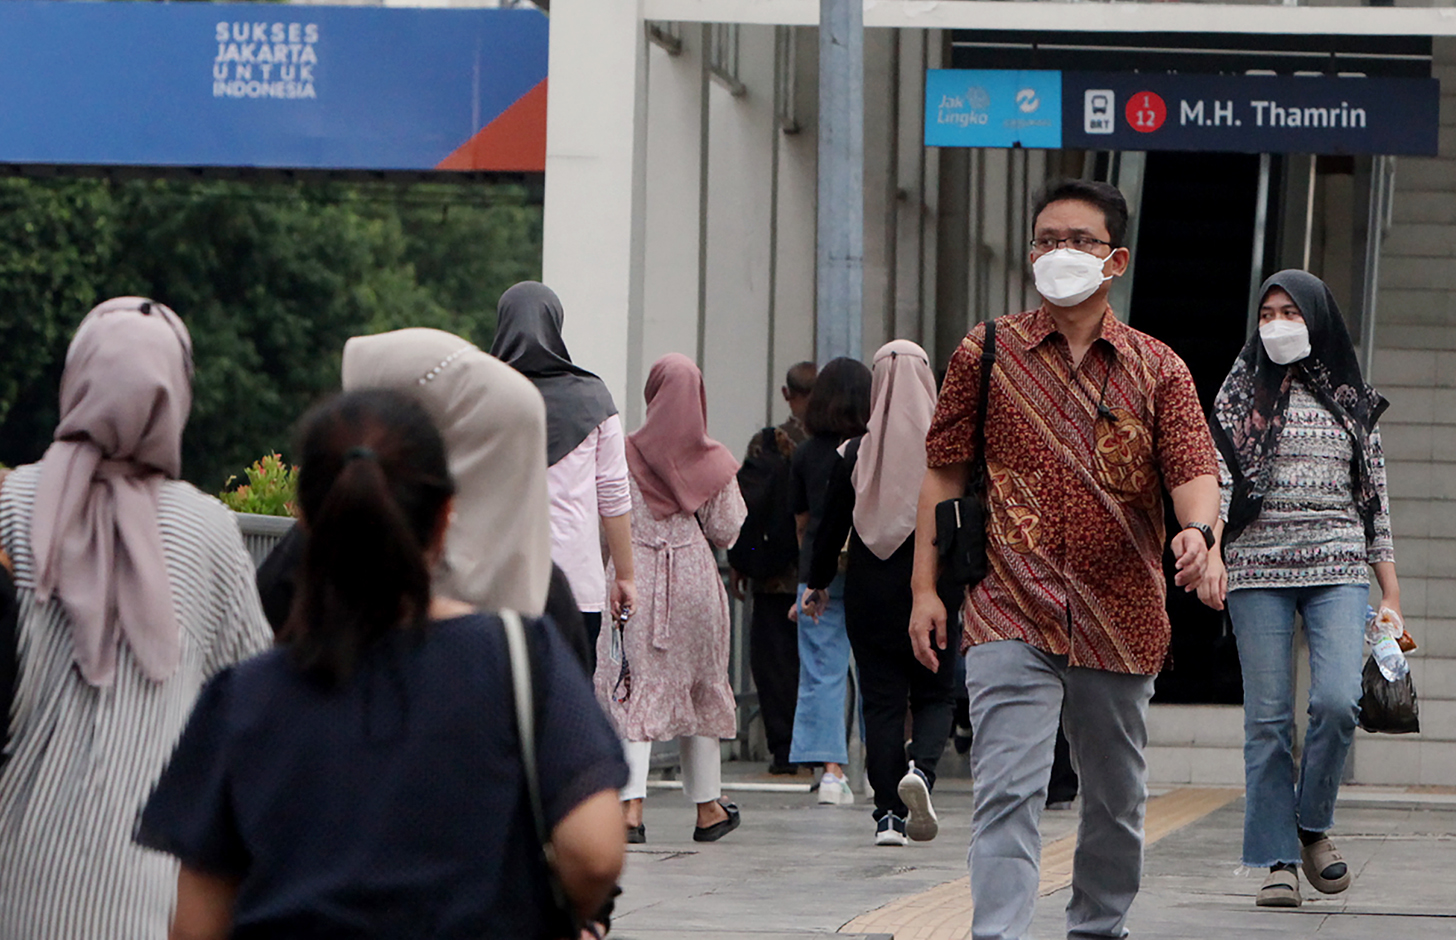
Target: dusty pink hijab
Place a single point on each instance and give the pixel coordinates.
(125, 395)
(891, 464)
(677, 466)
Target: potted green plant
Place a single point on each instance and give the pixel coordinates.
(264, 505)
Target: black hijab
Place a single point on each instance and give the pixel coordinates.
(1248, 413)
(528, 337)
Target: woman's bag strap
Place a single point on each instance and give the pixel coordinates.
(524, 697)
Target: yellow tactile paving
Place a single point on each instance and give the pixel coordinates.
(944, 912)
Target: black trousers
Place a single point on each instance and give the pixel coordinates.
(877, 602)
(773, 656)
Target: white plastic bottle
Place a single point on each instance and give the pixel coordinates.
(1383, 630)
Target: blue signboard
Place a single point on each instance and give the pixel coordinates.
(1001, 108)
(1239, 113)
(271, 85)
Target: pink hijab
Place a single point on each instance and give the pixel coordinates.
(677, 466)
(125, 395)
(891, 464)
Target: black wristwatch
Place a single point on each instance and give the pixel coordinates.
(1207, 532)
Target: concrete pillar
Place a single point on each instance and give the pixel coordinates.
(740, 195)
(674, 145)
(595, 187)
(841, 179)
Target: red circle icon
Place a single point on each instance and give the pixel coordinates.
(1146, 112)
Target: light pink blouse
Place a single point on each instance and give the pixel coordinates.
(589, 482)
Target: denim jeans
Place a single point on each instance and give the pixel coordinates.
(1276, 806)
(819, 729)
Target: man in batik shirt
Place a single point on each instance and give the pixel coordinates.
(1089, 421)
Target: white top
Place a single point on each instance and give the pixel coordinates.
(84, 759)
(587, 483)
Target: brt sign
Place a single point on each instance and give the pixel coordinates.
(1239, 113)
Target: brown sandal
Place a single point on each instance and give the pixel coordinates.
(1280, 889)
(1317, 858)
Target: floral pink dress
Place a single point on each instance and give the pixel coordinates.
(677, 640)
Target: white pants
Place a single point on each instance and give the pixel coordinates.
(702, 766)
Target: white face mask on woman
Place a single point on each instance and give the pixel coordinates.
(1066, 277)
(1285, 341)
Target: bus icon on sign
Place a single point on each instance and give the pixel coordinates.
(1098, 108)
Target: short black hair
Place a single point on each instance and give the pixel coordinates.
(1104, 196)
(839, 406)
(800, 378)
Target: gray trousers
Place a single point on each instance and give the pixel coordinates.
(1017, 694)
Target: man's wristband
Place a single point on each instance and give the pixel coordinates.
(1205, 530)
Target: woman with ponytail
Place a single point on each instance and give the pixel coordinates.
(366, 778)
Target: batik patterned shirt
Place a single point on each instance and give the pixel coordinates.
(1076, 533)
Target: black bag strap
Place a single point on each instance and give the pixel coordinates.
(988, 359)
(770, 439)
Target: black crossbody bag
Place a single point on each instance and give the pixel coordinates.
(960, 523)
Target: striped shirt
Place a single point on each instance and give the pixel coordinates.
(1308, 532)
(84, 759)
(1078, 457)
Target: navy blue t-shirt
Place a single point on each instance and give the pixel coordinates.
(393, 807)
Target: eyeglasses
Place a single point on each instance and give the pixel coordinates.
(1076, 242)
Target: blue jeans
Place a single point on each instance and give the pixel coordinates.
(819, 729)
(1276, 806)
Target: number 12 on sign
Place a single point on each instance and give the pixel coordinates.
(1146, 112)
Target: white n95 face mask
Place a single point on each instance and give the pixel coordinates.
(1066, 277)
(1285, 341)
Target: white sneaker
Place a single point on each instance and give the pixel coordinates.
(921, 824)
(835, 789)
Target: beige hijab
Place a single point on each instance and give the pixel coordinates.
(126, 392)
(498, 551)
(891, 464)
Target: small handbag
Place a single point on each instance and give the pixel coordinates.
(563, 915)
(960, 523)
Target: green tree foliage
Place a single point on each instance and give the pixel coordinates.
(271, 279)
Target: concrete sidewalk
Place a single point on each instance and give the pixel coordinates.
(796, 870)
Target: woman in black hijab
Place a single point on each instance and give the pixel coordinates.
(1305, 516)
(586, 459)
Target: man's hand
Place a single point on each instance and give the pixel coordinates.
(623, 597)
(1190, 558)
(927, 629)
(1214, 587)
(736, 584)
(814, 602)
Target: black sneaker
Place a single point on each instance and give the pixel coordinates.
(890, 830)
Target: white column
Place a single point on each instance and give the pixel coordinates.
(736, 356)
(595, 186)
(674, 146)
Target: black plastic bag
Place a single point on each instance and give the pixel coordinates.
(1388, 707)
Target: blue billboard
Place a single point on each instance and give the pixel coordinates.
(1184, 111)
(272, 85)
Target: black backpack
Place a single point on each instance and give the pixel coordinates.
(768, 543)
